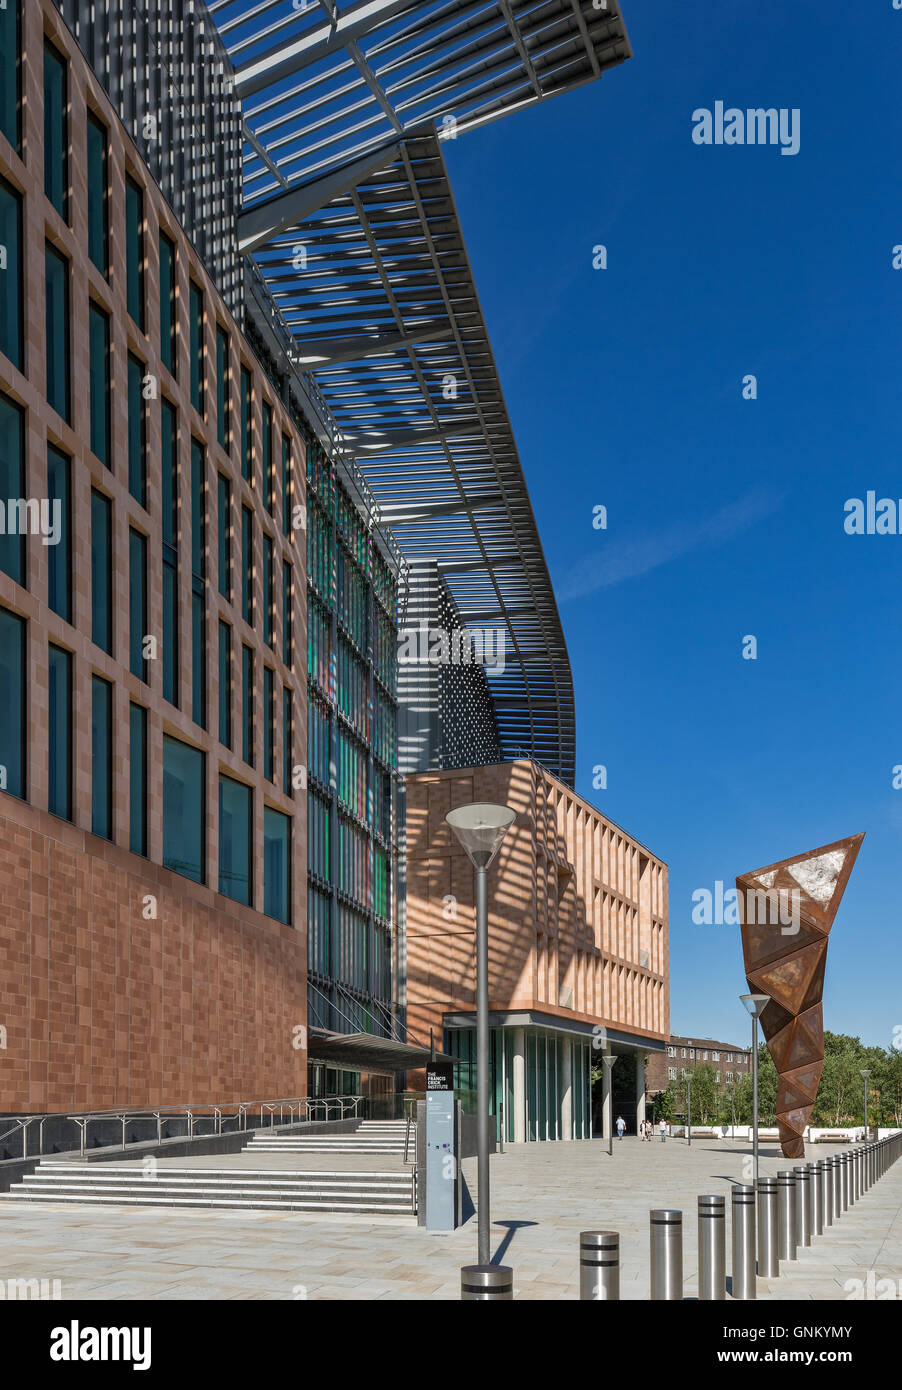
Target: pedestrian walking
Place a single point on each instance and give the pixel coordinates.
(663, 1131)
(621, 1126)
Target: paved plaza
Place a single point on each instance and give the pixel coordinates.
(543, 1196)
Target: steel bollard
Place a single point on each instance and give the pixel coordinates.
(837, 1191)
(768, 1229)
(666, 1251)
(599, 1265)
(786, 1185)
(826, 1167)
(712, 1248)
(843, 1182)
(803, 1204)
(478, 1283)
(817, 1207)
(858, 1187)
(853, 1177)
(848, 1164)
(744, 1284)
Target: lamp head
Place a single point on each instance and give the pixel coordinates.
(755, 1003)
(480, 829)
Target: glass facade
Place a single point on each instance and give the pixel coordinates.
(184, 809)
(12, 486)
(247, 705)
(287, 741)
(11, 277)
(269, 724)
(557, 1070)
(167, 303)
(59, 556)
(11, 72)
(137, 603)
(137, 779)
(225, 684)
(134, 251)
(101, 758)
(222, 387)
(276, 865)
(247, 564)
(287, 623)
(170, 490)
(56, 130)
(196, 346)
(101, 571)
(268, 479)
(56, 313)
(198, 585)
(286, 485)
(268, 590)
(98, 194)
(59, 733)
(12, 703)
(247, 402)
(137, 432)
(235, 839)
(99, 353)
(224, 535)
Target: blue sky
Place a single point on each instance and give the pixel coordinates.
(725, 516)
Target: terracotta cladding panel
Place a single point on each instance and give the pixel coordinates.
(121, 989)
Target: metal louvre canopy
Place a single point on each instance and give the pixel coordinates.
(424, 415)
(324, 82)
(366, 1052)
(349, 216)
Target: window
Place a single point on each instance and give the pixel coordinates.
(286, 485)
(225, 684)
(247, 404)
(56, 132)
(11, 72)
(224, 535)
(717, 1077)
(99, 352)
(235, 831)
(287, 591)
(137, 603)
(222, 387)
(11, 277)
(98, 194)
(101, 571)
(671, 1052)
(276, 865)
(184, 809)
(287, 741)
(196, 346)
(12, 485)
(247, 705)
(692, 1054)
(137, 432)
(59, 733)
(12, 703)
(671, 1073)
(269, 727)
(101, 758)
(198, 586)
(170, 553)
(137, 779)
(705, 1055)
(167, 303)
(268, 481)
(715, 1056)
(56, 307)
(682, 1052)
(134, 251)
(247, 564)
(268, 590)
(59, 556)
(730, 1076)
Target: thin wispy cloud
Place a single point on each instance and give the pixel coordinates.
(619, 558)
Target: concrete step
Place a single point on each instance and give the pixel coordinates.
(270, 1189)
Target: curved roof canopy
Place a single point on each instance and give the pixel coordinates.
(349, 215)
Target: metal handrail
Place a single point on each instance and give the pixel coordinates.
(191, 1112)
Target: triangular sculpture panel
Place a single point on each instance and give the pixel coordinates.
(787, 912)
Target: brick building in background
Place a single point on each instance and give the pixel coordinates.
(730, 1063)
(578, 946)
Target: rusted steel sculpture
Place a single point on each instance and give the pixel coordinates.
(787, 910)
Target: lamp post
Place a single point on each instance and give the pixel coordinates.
(755, 1004)
(689, 1109)
(609, 1059)
(732, 1113)
(480, 829)
(864, 1074)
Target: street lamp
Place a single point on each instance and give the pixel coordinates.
(864, 1074)
(480, 829)
(755, 1004)
(689, 1108)
(609, 1059)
